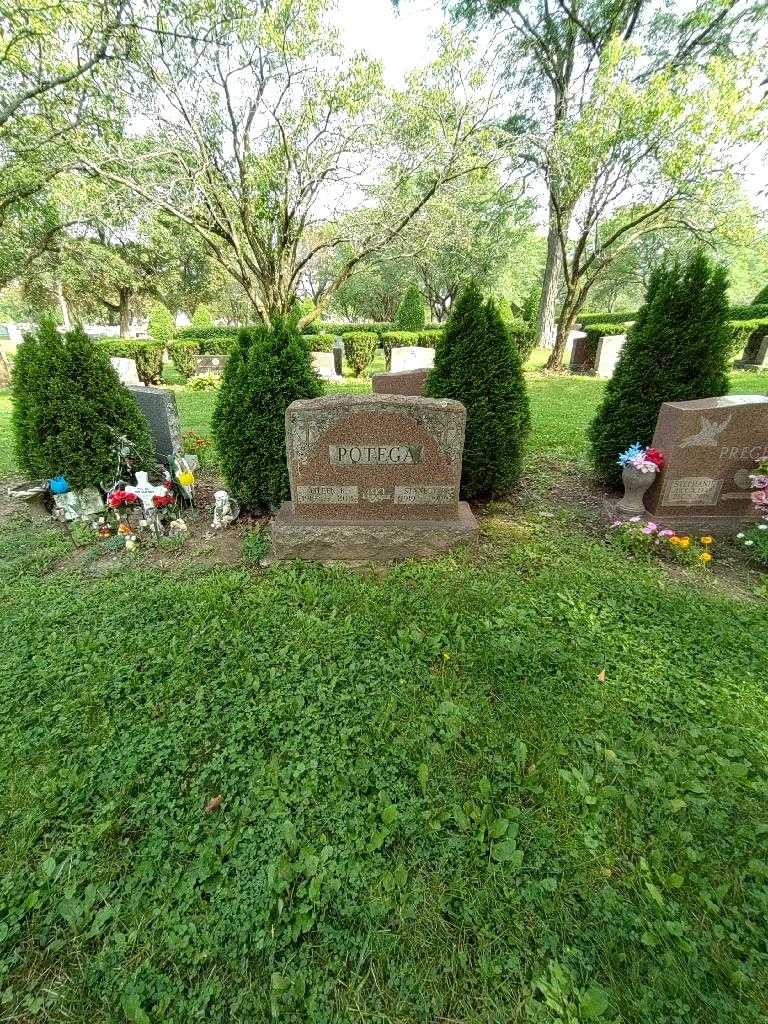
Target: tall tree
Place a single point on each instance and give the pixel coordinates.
(59, 77)
(267, 132)
(555, 54)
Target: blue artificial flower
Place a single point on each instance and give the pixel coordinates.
(631, 453)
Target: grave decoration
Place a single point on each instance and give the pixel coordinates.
(373, 478)
(639, 468)
(225, 510)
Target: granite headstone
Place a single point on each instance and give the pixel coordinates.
(210, 364)
(126, 371)
(159, 408)
(710, 447)
(323, 363)
(412, 357)
(373, 478)
(401, 382)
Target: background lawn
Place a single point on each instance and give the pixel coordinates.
(433, 809)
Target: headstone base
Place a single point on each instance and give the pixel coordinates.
(718, 526)
(373, 540)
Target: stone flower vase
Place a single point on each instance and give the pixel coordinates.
(636, 483)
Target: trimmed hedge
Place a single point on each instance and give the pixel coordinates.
(212, 341)
(319, 342)
(147, 354)
(337, 328)
(359, 349)
(404, 339)
(183, 354)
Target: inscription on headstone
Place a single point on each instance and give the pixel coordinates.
(375, 455)
(373, 478)
(710, 446)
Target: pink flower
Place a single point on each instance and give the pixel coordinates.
(666, 533)
(760, 498)
(635, 519)
(759, 480)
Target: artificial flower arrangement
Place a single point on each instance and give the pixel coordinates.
(647, 460)
(638, 537)
(755, 539)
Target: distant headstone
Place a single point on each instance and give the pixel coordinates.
(323, 364)
(608, 351)
(580, 361)
(161, 414)
(412, 357)
(206, 365)
(573, 337)
(338, 356)
(373, 478)
(126, 371)
(5, 370)
(755, 354)
(402, 382)
(710, 447)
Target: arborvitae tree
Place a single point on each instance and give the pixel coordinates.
(162, 325)
(69, 407)
(266, 371)
(202, 317)
(761, 298)
(477, 364)
(678, 349)
(411, 313)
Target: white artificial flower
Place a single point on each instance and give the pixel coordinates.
(739, 536)
(748, 543)
(762, 526)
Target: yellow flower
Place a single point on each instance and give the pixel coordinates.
(674, 540)
(186, 478)
(684, 542)
(705, 557)
(706, 540)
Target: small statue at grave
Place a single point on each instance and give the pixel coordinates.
(225, 510)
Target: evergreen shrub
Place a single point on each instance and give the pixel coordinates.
(202, 318)
(359, 349)
(477, 364)
(678, 349)
(147, 354)
(161, 325)
(411, 313)
(68, 408)
(182, 353)
(266, 371)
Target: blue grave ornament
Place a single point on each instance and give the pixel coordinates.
(58, 485)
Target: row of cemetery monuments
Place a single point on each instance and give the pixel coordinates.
(376, 477)
(598, 356)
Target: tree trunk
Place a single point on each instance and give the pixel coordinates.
(65, 318)
(564, 328)
(125, 313)
(550, 285)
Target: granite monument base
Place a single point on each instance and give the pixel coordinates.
(693, 525)
(367, 540)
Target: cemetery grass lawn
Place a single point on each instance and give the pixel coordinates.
(434, 805)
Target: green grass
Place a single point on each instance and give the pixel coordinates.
(433, 809)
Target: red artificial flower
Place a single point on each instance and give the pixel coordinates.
(655, 456)
(162, 500)
(119, 498)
